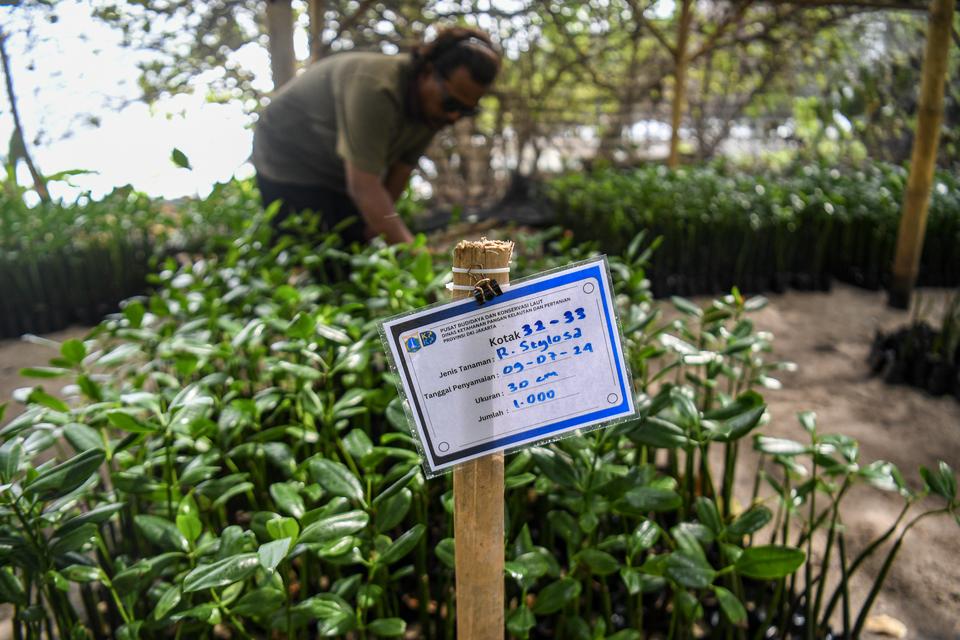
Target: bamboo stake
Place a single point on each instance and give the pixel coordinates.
(916, 201)
(478, 494)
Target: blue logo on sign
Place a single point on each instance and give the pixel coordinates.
(413, 344)
(428, 338)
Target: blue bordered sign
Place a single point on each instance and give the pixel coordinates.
(536, 363)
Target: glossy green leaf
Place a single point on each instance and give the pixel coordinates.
(81, 573)
(10, 454)
(73, 350)
(41, 397)
(708, 514)
(43, 372)
(272, 553)
(334, 527)
(392, 511)
(644, 499)
(750, 521)
(161, 532)
(769, 562)
(556, 595)
(692, 571)
(287, 498)
(520, 621)
(599, 562)
(336, 479)
(387, 627)
(778, 446)
(402, 545)
(446, 553)
(65, 477)
(125, 421)
(556, 466)
(731, 605)
(283, 528)
(221, 573)
(168, 601)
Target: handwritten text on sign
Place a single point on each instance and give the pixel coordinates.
(543, 359)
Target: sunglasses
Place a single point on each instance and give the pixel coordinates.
(451, 105)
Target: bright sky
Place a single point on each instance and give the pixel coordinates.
(80, 70)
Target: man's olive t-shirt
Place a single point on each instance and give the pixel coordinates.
(351, 106)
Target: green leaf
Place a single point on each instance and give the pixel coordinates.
(686, 306)
(259, 603)
(342, 524)
(392, 511)
(396, 487)
(555, 465)
(600, 563)
(689, 571)
(644, 499)
(190, 526)
(778, 446)
(43, 372)
(708, 514)
(528, 566)
(943, 482)
(387, 627)
(283, 528)
(520, 621)
(555, 595)
(82, 437)
(161, 532)
(769, 562)
(126, 422)
(272, 553)
(644, 536)
(221, 573)
(39, 396)
(808, 419)
(751, 520)
(95, 515)
(73, 539)
(402, 545)
(81, 573)
(446, 552)
(180, 159)
(637, 582)
(168, 601)
(738, 426)
(73, 350)
(336, 479)
(731, 605)
(287, 498)
(656, 432)
(64, 478)
(565, 525)
(10, 589)
(10, 454)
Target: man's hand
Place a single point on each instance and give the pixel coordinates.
(375, 205)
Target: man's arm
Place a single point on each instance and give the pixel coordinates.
(396, 181)
(373, 199)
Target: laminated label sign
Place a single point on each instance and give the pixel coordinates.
(538, 362)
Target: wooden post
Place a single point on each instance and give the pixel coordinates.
(916, 200)
(478, 494)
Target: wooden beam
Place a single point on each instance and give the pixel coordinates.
(913, 222)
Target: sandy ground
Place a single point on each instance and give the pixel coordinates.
(828, 336)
